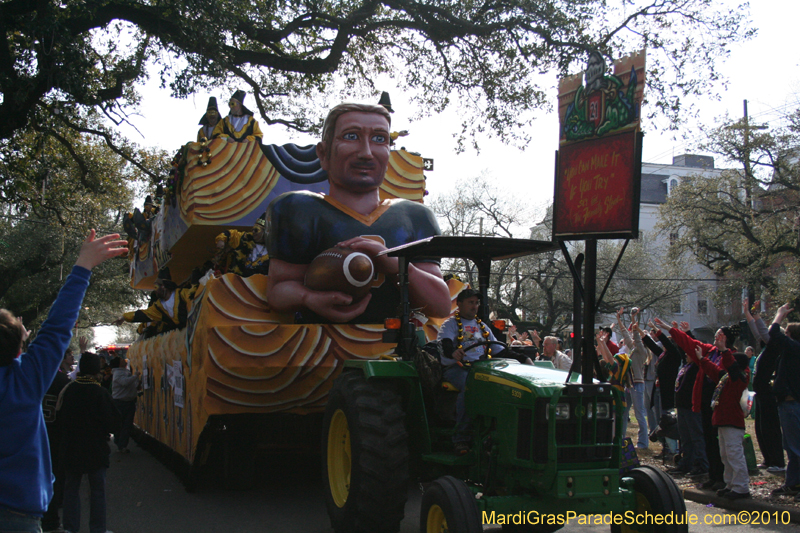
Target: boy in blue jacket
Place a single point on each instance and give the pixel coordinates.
(26, 478)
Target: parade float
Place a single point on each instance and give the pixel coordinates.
(239, 367)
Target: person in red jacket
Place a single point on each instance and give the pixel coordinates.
(731, 377)
(703, 391)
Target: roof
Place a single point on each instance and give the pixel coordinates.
(654, 188)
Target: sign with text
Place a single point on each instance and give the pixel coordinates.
(599, 166)
(597, 188)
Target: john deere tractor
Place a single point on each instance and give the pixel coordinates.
(546, 445)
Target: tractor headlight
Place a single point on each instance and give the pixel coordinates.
(603, 411)
(562, 411)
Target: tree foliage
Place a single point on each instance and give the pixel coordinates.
(484, 56)
(538, 289)
(36, 258)
(744, 224)
(54, 186)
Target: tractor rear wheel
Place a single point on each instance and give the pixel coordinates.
(656, 494)
(448, 505)
(365, 456)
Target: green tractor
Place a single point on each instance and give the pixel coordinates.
(546, 448)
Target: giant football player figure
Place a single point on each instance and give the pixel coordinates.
(355, 152)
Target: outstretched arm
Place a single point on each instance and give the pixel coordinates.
(626, 336)
(754, 321)
(648, 341)
(602, 348)
(46, 351)
(782, 313)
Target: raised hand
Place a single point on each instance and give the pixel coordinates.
(781, 313)
(685, 326)
(660, 323)
(95, 251)
(25, 332)
(698, 351)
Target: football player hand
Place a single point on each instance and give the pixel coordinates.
(335, 306)
(370, 247)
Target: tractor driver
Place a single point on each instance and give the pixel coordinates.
(300, 225)
(457, 335)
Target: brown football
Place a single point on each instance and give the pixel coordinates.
(343, 270)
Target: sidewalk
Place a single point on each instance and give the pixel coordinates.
(746, 504)
(761, 485)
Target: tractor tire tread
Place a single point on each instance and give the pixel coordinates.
(383, 458)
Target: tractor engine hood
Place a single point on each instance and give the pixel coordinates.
(495, 385)
(542, 381)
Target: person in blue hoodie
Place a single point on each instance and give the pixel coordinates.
(26, 477)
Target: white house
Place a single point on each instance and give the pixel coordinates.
(697, 306)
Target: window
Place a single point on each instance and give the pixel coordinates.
(677, 307)
(702, 301)
(673, 238)
(671, 184)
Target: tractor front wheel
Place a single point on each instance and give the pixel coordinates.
(365, 456)
(449, 506)
(657, 495)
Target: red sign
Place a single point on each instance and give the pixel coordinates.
(597, 187)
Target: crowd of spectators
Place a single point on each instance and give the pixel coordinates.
(685, 393)
(693, 396)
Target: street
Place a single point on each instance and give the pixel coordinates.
(146, 497)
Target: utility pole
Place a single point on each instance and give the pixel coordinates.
(747, 170)
(749, 179)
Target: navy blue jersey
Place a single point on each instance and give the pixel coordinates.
(301, 225)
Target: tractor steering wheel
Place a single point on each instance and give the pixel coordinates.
(468, 364)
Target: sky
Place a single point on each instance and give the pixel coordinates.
(765, 71)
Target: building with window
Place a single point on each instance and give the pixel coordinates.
(658, 180)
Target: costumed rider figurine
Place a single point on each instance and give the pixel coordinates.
(354, 151)
(239, 125)
(170, 310)
(243, 252)
(137, 225)
(386, 102)
(458, 334)
(209, 121)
